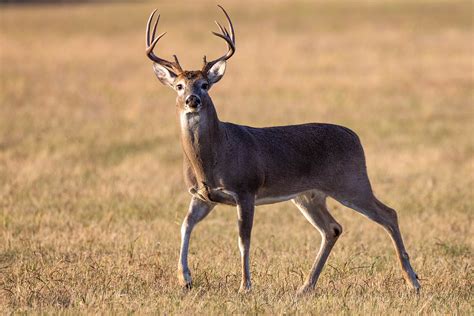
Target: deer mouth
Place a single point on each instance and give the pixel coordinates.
(192, 110)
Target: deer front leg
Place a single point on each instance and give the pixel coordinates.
(245, 211)
(198, 209)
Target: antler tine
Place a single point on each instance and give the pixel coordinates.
(230, 46)
(148, 27)
(156, 25)
(223, 30)
(231, 27)
(228, 36)
(177, 63)
(151, 43)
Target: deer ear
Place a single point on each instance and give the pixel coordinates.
(166, 76)
(216, 72)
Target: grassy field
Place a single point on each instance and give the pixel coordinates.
(91, 191)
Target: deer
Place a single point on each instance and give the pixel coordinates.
(243, 166)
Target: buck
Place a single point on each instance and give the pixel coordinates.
(242, 166)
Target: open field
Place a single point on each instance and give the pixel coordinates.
(91, 191)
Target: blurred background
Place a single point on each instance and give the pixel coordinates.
(91, 191)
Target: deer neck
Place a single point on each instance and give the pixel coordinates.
(201, 139)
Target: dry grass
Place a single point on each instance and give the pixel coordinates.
(91, 193)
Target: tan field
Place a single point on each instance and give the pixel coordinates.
(91, 188)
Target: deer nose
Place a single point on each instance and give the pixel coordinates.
(193, 101)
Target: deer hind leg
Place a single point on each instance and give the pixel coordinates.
(388, 219)
(313, 206)
(197, 211)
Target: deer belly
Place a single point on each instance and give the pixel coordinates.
(223, 196)
(274, 199)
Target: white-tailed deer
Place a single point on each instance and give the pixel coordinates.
(238, 165)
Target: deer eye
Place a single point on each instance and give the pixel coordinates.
(205, 86)
(179, 87)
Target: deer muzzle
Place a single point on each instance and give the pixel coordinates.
(193, 101)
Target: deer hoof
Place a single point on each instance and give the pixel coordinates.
(303, 291)
(244, 289)
(412, 279)
(417, 288)
(185, 280)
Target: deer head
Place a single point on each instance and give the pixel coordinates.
(192, 87)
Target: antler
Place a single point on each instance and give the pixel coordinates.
(151, 43)
(229, 37)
